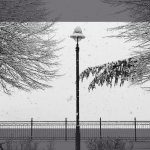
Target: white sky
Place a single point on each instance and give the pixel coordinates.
(56, 103)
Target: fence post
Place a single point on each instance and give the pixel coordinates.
(65, 129)
(135, 128)
(100, 128)
(31, 128)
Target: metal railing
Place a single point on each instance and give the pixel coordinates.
(65, 130)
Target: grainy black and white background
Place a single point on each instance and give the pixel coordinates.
(116, 103)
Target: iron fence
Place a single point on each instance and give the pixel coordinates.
(65, 130)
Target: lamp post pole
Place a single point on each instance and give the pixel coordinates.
(77, 36)
(77, 98)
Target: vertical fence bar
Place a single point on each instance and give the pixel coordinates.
(31, 128)
(135, 129)
(65, 129)
(100, 128)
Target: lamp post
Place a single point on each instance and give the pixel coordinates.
(77, 36)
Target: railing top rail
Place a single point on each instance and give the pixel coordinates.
(32, 120)
(74, 121)
(15, 121)
(127, 121)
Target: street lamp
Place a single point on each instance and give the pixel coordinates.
(77, 36)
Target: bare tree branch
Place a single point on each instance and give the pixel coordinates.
(27, 58)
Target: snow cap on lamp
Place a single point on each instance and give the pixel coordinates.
(77, 34)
